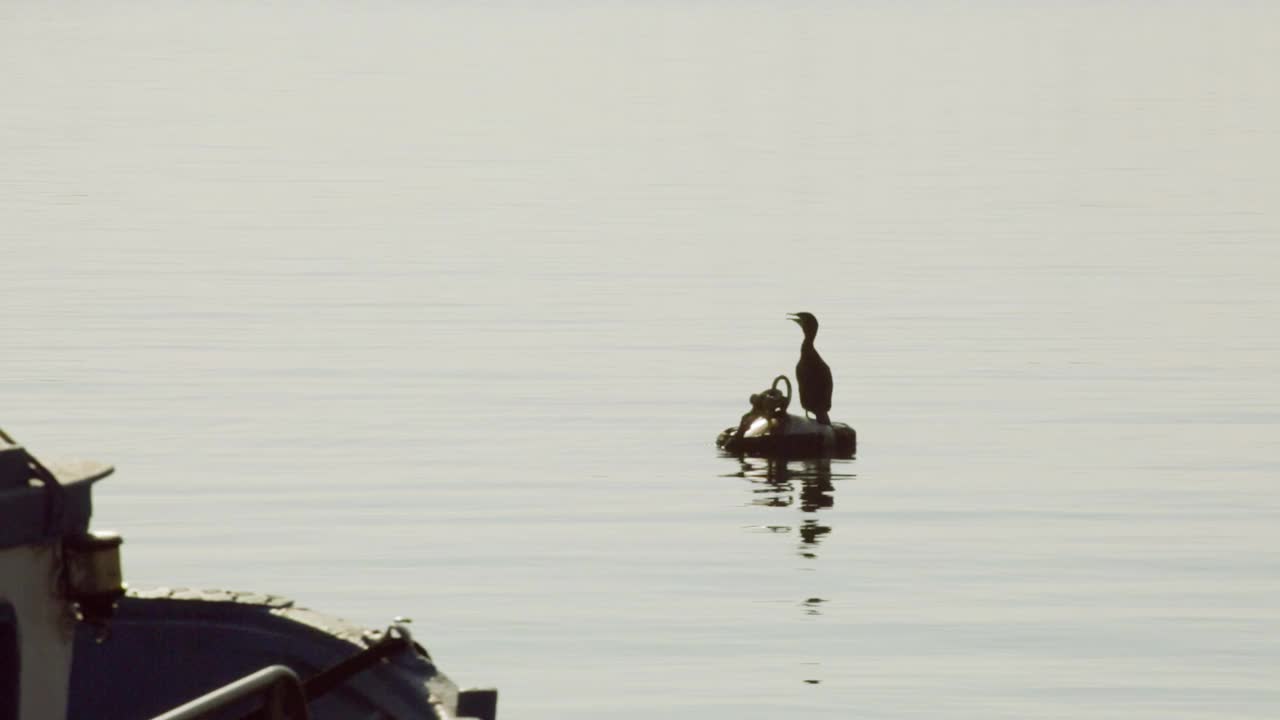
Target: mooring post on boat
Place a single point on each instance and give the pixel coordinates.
(94, 580)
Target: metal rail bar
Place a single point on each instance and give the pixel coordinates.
(279, 686)
(391, 643)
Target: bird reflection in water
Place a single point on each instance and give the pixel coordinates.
(805, 484)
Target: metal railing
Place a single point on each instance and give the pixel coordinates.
(279, 687)
(286, 696)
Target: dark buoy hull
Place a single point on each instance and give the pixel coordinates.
(790, 436)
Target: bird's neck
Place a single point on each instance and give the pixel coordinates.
(808, 343)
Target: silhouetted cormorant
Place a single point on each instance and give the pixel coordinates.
(812, 374)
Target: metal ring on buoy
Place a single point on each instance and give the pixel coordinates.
(787, 402)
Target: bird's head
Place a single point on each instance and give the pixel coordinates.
(806, 321)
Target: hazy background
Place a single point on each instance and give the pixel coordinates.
(435, 309)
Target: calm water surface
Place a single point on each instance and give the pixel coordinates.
(434, 309)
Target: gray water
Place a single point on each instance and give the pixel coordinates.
(435, 309)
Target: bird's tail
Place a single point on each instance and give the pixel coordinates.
(823, 417)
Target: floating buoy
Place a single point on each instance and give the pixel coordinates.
(768, 430)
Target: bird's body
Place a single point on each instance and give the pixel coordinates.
(812, 372)
(814, 377)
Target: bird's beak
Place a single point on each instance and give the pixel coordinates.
(793, 317)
